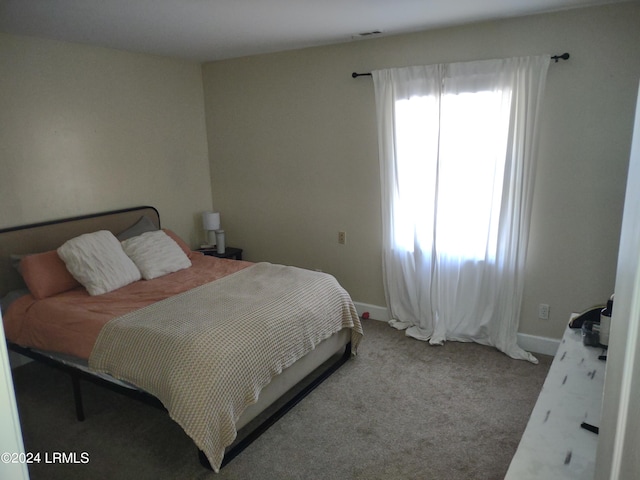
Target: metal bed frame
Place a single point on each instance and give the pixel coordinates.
(76, 374)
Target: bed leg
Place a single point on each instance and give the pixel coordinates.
(77, 396)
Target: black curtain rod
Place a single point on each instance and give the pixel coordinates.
(564, 56)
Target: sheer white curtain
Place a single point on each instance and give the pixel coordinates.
(457, 147)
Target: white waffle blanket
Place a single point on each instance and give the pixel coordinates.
(207, 353)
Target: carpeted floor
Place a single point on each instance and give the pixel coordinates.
(401, 409)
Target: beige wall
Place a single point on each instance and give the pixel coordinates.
(293, 152)
(86, 129)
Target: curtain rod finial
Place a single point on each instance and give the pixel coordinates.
(564, 56)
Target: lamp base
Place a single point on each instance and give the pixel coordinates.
(211, 238)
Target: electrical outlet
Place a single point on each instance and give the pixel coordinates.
(543, 311)
(342, 238)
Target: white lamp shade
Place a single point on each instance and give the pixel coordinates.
(211, 220)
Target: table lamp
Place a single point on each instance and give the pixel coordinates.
(211, 223)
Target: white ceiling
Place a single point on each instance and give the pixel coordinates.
(206, 30)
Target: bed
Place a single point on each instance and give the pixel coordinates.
(224, 346)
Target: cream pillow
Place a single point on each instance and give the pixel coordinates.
(98, 262)
(155, 254)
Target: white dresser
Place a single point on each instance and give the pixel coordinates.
(554, 446)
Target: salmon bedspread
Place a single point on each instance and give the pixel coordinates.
(207, 353)
(70, 322)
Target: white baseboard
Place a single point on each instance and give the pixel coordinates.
(541, 345)
(531, 343)
(375, 312)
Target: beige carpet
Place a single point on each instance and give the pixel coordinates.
(401, 409)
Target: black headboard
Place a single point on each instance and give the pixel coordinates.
(45, 236)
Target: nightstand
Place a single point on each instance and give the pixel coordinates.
(229, 252)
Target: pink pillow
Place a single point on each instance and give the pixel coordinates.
(46, 274)
(183, 245)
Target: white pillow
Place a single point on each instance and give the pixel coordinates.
(98, 262)
(155, 254)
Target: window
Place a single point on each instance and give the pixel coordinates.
(450, 170)
(457, 150)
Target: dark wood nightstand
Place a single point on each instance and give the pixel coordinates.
(229, 252)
